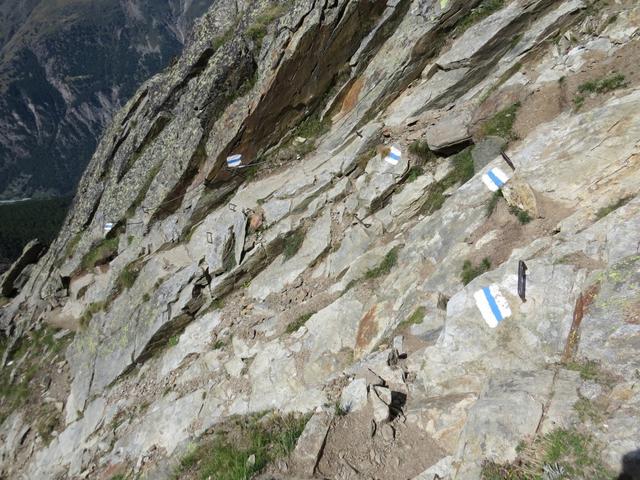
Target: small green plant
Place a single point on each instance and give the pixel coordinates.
(90, 311)
(463, 171)
(339, 410)
(218, 345)
(146, 297)
(245, 448)
(295, 325)
(570, 452)
(292, 244)
(590, 370)
(100, 253)
(603, 212)
(258, 29)
(597, 87)
(174, 340)
(522, 215)
(414, 173)
(128, 276)
(469, 272)
(416, 318)
(501, 124)
(588, 410)
(390, 260)
(493, 203)
(482, 11)
(421, 150)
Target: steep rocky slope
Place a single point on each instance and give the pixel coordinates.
(326, 284)
(65, 68)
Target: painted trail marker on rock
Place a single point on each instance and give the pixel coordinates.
(492, 305)
(394, 156)
(107, 227)
(494, 179)
(234, 161)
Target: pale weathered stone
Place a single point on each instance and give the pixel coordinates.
(354, 396)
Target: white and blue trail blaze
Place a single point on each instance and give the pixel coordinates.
(234, 161)
(492, 305)
(108, 227)
(494, 179)
(394, 156)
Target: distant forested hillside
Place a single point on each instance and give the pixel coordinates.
(24, 221)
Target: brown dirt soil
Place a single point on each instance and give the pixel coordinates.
(512, 234)
(351, 452)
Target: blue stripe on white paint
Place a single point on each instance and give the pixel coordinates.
(394, 156)
(492, 304)
(234, 160)
(495, 179)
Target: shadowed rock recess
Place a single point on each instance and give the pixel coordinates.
(313, 315)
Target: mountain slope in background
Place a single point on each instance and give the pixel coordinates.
(65, 67)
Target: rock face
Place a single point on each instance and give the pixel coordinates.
(66, 69)
(326, 280)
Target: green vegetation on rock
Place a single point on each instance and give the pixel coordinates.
(390, 260)
(469, 272)
(243, 448)
(463, 171)
(603, 212)
(482, 11)
(522, 215)
(300, 321)
(258, 29)
(100, 253)
(416, 318)
(421, 150)
(569, 453)
(604, 85)
(501, 124)
(493, 203)
(292, 244)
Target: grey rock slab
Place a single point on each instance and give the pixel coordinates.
(440, 471)
(380, 398)
(560, 412)
(355, 243)
(450, 130)
(234, 367)
(195, 339)
(283, 272)
(610, 329)
(486, 151)
(354, 396)
(508, 411)
(361, 265)
(479, 36)
(310, 444)
(405, 204)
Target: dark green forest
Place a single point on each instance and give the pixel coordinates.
(23, 221)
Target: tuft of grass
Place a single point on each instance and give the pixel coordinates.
(590, 370)
(482, 11)
(597, 87)
(295, 325)
(100, 253)
(292, 244)
(421, 150)
(390, 260)
(339, 411)
(588, 410)
(463, 171)
(244, 449)
(173, 341)
(603, 212)
(90, 311)
(414, 173)
(128, 276)
(568, 453)
(146, 297)
(218, 345)
(258, 29)
(416, 318)
(493, 203)
(469, 272)
(501, 124)
(522, 216)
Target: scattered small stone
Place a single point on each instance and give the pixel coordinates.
(388, 433)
